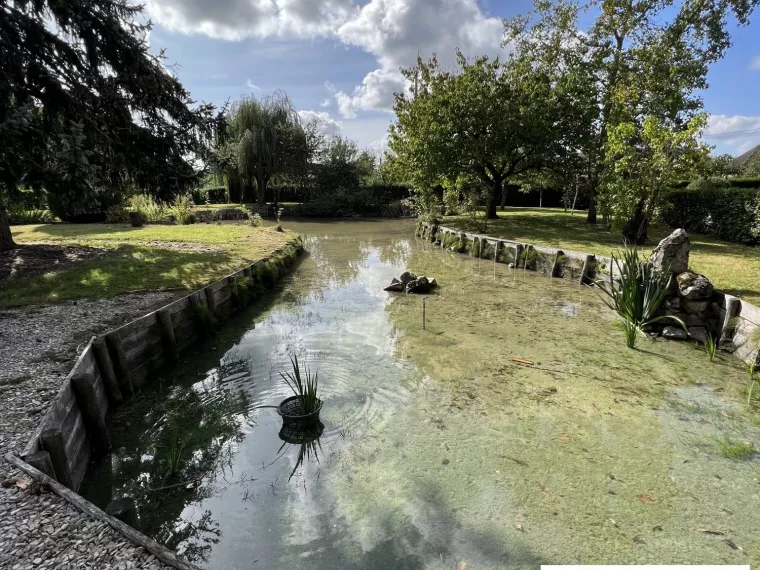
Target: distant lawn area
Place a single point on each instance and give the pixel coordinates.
(733, 268)
(76, 261)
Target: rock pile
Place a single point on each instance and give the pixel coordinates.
(693, 298)
(410, 283)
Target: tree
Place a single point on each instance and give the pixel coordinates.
(488, 119)
(644, 163)
(86, 110)
(720, 165)
(268, 138)
(638, 58)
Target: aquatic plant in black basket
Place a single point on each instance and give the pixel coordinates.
(636, 295)
(304, 406)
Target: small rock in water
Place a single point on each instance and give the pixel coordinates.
(395, 286)
(675, 333)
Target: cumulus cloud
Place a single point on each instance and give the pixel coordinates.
(738, 133)
(236, 19)
(755, 63)
(397, 31)
(394, 31)
(325, 122)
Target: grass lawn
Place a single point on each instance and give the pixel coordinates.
(155, 257)
(733, 268)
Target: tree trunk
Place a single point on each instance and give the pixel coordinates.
(497, 187)
(591, 218)
(6, 239)
(503, 197)
(262, 188)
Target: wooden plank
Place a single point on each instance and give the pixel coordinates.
(159, 551)
(93, 405)
(143, 336)
(133, 327)
(53, 442)
(75, 438)
(142, 372)
(106, 371)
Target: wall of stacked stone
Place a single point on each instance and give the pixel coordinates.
(112, 367)
(703, 309)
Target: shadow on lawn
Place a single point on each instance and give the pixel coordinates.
(124, 269)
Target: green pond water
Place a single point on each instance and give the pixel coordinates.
(438, 451)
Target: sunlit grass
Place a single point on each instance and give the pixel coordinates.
(732, 268)
(151, 258)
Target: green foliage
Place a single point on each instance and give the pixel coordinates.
(305, 388)
(117, 214)
(710, 345)
(265, 139)
(636, 294)
(731, 214)
(256, 220)
(174, 459)
(487, 121)
(182, 210)
(19, 215)
(150, 209)
(751, 374)
(643, 162)
(269, 273)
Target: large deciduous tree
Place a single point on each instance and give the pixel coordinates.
(639, 58)
(488, 119)
(86, 109)
(269, 139)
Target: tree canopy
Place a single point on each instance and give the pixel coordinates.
(87, 110)
(489, 120)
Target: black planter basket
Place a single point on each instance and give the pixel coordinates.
(290, 411)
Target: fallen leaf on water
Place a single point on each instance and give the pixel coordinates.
(519, 527)
(646, 499)
(462, 565)
(712, 532)
(564, 437)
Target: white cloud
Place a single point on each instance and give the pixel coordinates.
(326, 102)
(394, 31)
(375, 93)
(327, 124)
(236, 19)
(755, 63)
(397, 31)
(734, 134)
(252, 86)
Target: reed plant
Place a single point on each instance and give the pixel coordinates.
(304, 386)
(637, 294)
(752, 378)
(710, 344)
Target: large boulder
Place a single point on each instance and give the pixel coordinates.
(672, 253)
(694, 287)
(406, 277)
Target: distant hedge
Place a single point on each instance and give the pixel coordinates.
(731, 214)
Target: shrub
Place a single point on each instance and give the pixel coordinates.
(117, 214)
(182, 210)
(151, 210)
(731, 214)
(18, 215)
(255, 220)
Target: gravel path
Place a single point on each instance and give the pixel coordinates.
(38, 347)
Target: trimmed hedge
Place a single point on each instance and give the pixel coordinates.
(729, 214)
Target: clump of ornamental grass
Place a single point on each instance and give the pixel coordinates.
(636, 295)
(304, 386)
(710, 345)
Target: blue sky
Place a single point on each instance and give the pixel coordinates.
(339, 59)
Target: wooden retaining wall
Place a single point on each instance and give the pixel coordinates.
(740, 331)
(116, 364)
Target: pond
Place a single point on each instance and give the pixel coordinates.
(437, 450)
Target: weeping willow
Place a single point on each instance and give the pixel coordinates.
(258, 127)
